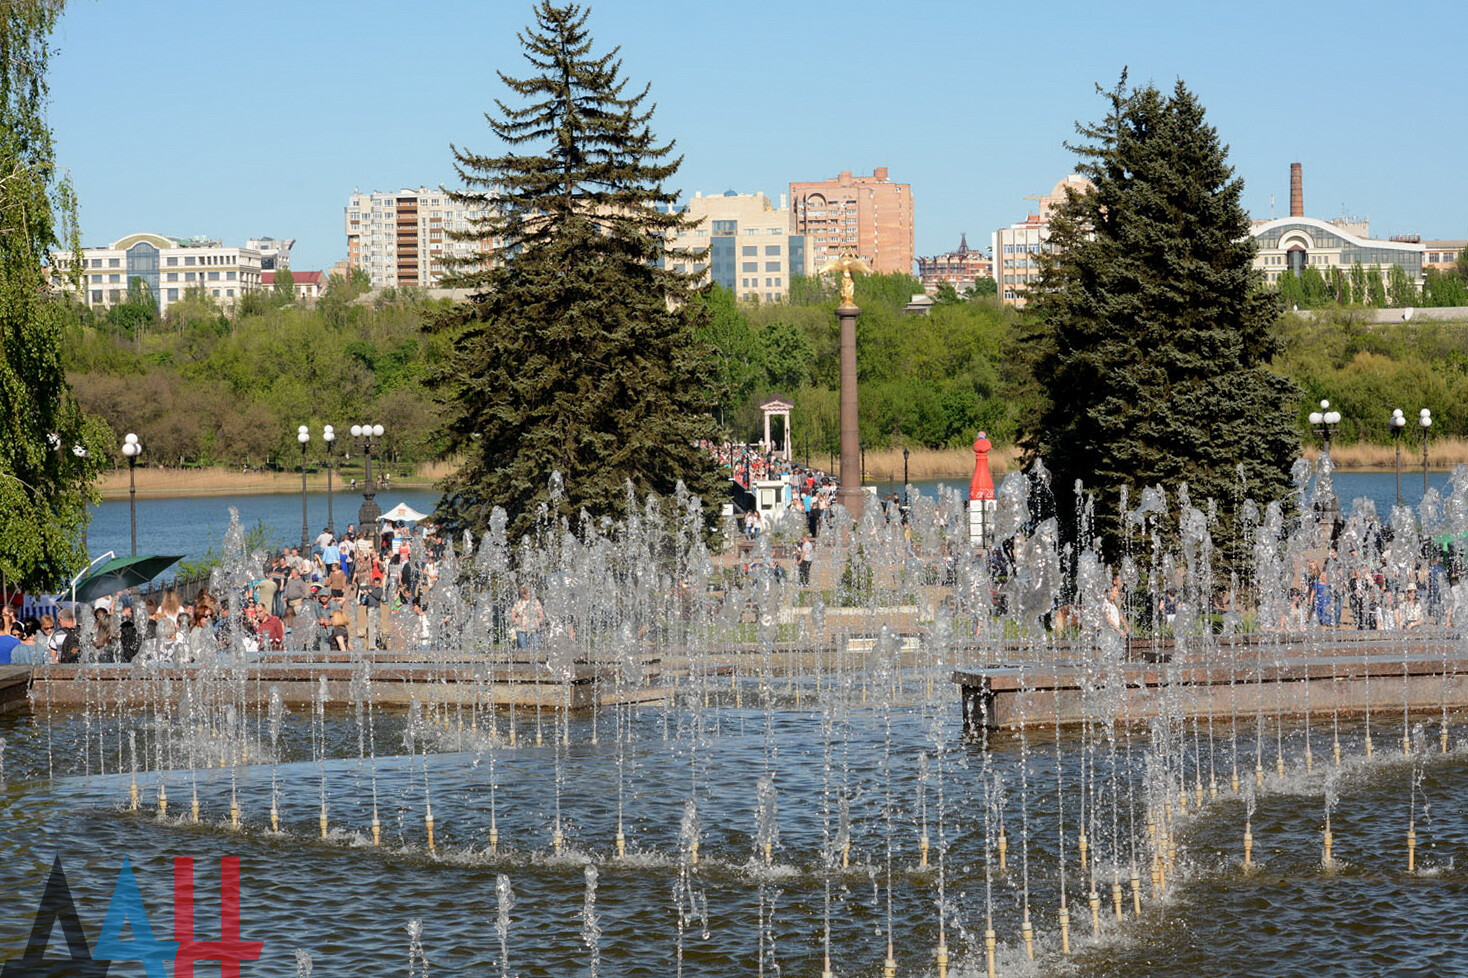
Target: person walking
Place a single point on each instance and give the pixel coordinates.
(527, 616)
(806, 556)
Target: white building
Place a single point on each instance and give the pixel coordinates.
(402, 238)
(753, 248)
(169, 267)
(1292, 244)
(274, 252)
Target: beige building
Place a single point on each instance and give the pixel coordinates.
(1016, 249)
(867, 216)
(402, 238)
(1442, 254)
(169, 267)
(751, 244)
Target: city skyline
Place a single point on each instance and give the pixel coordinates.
(265, 124)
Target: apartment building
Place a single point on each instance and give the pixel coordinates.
(402, 238)
(168, 266)
(751, 244)
(1016, 248)
(870, 217)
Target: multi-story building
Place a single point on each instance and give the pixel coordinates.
(1016, 249)
(403, 238)
(1292, 244)
(274, 252)
(169, 267)
(960, 268)
(752, 248)
(870, 217)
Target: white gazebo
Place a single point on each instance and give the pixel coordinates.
(781, 408)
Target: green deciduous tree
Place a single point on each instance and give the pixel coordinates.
(1155, 331)
(577, 353)
(1400, 292)
(50, 452)
(285, 286)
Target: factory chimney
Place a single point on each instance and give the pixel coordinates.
(1297, 191)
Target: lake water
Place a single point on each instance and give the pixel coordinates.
(191, 526)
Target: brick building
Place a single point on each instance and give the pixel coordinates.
(868, 216)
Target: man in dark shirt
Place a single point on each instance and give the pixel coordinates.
(69, 649)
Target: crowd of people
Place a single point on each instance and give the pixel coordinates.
(1378, 597)
(345, 594)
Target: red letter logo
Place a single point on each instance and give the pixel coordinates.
(229, 950)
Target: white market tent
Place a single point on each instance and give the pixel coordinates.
(403, 512)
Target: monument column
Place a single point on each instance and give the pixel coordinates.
(850, 494)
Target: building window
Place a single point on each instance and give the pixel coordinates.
(188, 276)
(173, 276)
(188, 259)
(173, 295)
(114, 277)
(114, 263)
(96, 295)
(772, 266)
(230, 275)
(214, 276)
(96, 263)
(749, 251)
(749, 266)
(772, 249)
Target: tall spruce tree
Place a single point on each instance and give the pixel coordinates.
(576, 353)
(50, 452)
(1155, 332)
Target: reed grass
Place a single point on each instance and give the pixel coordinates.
(1442, 453)
(162, 482)
(885, 465)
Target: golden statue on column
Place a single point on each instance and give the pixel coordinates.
(846, 263)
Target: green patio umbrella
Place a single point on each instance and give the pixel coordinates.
(121, 573)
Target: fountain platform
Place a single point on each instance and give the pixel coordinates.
(1328, 673)
(398, 678)
(14, 684)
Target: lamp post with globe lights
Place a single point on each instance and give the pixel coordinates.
(132, 448)
(303, 435)
(1424, 418)
(1398, 422)
(368, 437)
(328, 435)
(1324, 422)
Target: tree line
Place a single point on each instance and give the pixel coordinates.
(208, 387)
(205, 386)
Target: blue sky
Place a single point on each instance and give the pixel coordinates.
(197, 117)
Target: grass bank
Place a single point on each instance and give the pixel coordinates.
(1442, 453)
(162, 482)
